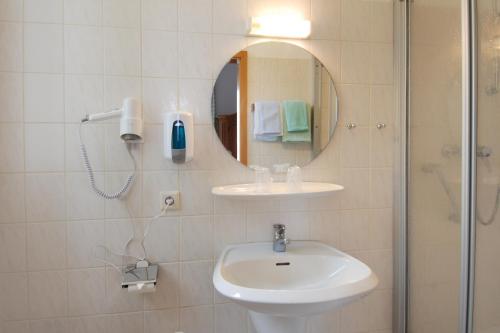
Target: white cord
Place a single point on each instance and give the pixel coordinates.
(144, 236)
(86, 161)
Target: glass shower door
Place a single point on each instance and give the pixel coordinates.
(434, 175)
(486, 318)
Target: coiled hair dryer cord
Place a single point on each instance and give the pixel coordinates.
(86, 161)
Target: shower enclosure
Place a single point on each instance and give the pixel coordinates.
(448, 235)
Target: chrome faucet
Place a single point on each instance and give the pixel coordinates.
(280, 241)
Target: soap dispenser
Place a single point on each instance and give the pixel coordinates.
(178, 137)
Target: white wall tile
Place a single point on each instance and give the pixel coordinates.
(197, 319)
(122, 48)
(43, 98)
(117, 157)
(116, 88)
(382, 21)
(87, 12)
(125, 323)
(121, 13)
(195, 187)
(43, 48)
(382, 64)
(12, 247)
(14, 301)
(160, 96)
(11, 97)
(38, 139)
(356, 191)
(82, 95)
(326, 19)
(11, 10)
(162, 242)
(167, 289)
(355, 104)
(47, 294)
(56, 325)
(195, 55)
(46, 246)
(196, 285)
(161, 321)
(16, 326)
(12, 196)
(382, 147)
(195, 15)
(95, 324)
(229, 229)
(356, 59)
(230, 16)
(159, 53)
(230, 318)
(195, 96)
(160, 14)
(46, 196)
(381, 188)
(355, 148)
(48, 11)
(328, 322)
(82, 239)
(11, 46)
(81, 201)
(86, 290)
(356, 20)
(93, 138)
(83, 50)
(196, 238)
(12, 154)
(131, 205)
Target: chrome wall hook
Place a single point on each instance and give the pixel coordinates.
(350, 125)
(381, 126)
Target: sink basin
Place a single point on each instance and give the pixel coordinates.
(280, 289)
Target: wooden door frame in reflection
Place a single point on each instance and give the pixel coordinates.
(242, 59)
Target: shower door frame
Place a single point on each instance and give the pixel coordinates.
(402, 17)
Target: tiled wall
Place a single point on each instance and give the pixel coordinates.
(62, 59)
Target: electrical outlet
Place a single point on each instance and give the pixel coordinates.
(170, 195)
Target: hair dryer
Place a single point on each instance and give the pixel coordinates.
(130, 132)
(130, 119)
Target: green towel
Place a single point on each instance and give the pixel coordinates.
(302, 136)
(296, 114)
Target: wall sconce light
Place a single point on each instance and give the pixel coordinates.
(286, 26)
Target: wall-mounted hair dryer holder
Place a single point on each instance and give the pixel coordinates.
(140, 277)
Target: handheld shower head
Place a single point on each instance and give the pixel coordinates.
(130, 119)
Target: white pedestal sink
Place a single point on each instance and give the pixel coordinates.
(281, 289)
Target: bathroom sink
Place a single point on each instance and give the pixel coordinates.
(308, 278)
(276, 190)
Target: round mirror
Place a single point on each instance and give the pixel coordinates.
(274, 105)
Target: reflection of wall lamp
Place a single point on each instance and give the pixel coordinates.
(288, 26)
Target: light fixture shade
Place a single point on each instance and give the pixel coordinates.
(279, 26)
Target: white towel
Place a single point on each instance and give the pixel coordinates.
(267, 119)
